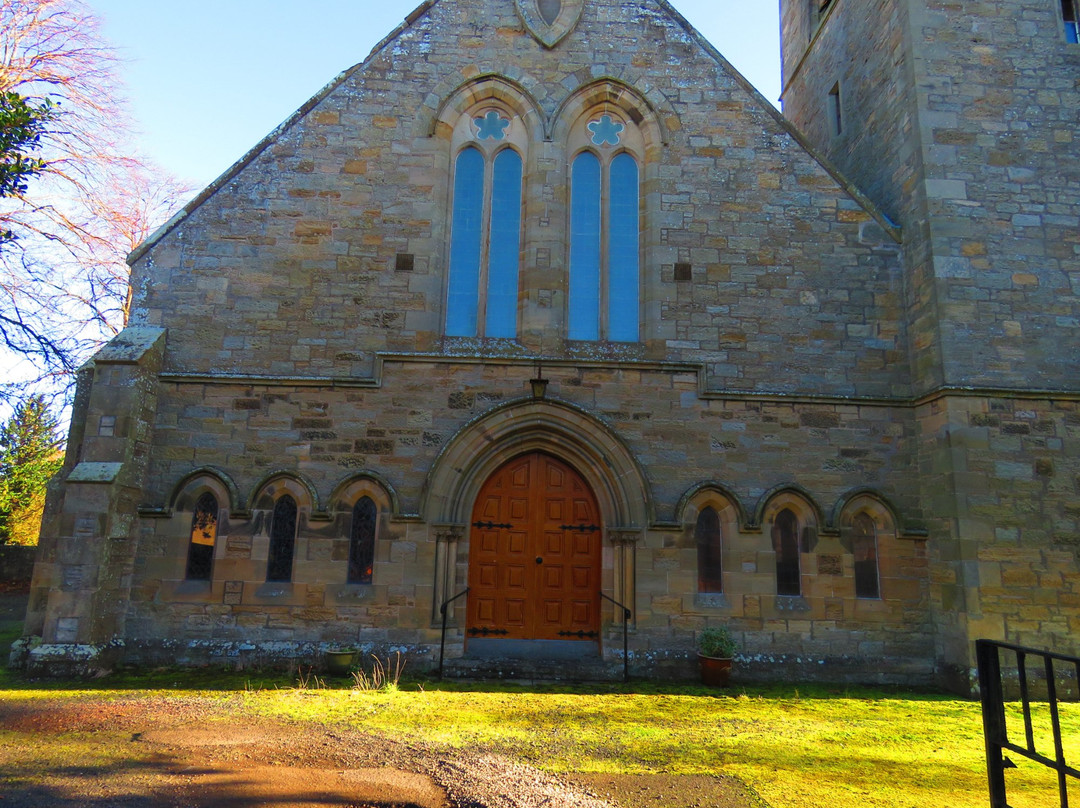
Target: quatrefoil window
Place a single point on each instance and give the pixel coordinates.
(606, 131)
(492, 125)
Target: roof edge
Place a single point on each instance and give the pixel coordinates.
(894, 230)
(249, 157)
(891, 228)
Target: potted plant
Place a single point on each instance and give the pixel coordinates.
(716, 647)
(339, 659)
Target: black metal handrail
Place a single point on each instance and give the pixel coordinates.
(442, 639)
(627, 614)
(988, 654)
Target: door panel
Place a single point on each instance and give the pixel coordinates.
(546, 582)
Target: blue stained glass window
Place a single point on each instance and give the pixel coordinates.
(585, 248)
(492, 125)
(623, 251)
(465, 244)
(505, 251)
(605, 131)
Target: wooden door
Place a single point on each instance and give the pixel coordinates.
(534, 556)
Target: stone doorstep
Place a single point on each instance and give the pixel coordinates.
(531, 670)
(537, 662)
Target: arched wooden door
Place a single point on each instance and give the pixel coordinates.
(534, 555)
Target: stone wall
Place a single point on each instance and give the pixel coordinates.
(302, 302)
(737, 454)
(959, 126)
(289, 267)
(958, 122)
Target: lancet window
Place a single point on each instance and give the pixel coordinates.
(605, 223)
(709, 546)
(485, 229)
(200, 560)
(362, 541)
(785, 534)
(282, 540)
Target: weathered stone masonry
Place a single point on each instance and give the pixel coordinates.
(289, 341)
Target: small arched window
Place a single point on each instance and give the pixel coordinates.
(709, 546)
(362, 541)
(282, 540)
(200, 560)
(785, 534)
(864, 546)
(604, 242)
(485, 238)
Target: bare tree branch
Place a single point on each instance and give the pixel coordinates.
(64, 280)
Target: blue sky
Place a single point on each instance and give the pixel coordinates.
(208, 79)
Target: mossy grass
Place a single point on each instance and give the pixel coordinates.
(798, 747)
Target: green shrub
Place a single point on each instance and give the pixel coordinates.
(716, 641)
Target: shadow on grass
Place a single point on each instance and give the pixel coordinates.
(217, 680)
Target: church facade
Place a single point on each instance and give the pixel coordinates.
(542, 312)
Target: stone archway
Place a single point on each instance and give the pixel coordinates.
(568, 434)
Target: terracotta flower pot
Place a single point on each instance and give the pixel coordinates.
(715, 671)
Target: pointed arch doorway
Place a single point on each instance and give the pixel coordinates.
(534, 561)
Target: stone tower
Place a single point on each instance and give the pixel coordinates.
(958, 120)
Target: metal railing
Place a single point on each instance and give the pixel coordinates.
(995, 731)
(442, 639)
(627, 614)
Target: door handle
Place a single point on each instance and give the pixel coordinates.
(539, 560)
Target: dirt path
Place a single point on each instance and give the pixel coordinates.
(191, 752)
(154, 752)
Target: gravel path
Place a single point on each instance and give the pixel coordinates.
(186, 752)
(192, 752)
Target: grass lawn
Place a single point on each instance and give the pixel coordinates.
(798, 748)
(810, 747)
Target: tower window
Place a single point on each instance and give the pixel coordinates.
(836, 118)
(1071, 15)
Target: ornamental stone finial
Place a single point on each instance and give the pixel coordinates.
(549, 20)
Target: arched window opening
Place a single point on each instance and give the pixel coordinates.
(362, 541)
(604, 243)
(709, 546)
(785, 534)
(623, 251)
(466, 243)
(200, 560)
(282, 540)
(864, 545)
(585, 214)
(485, 238)
(505, 253)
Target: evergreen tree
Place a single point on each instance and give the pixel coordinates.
(29, 457)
